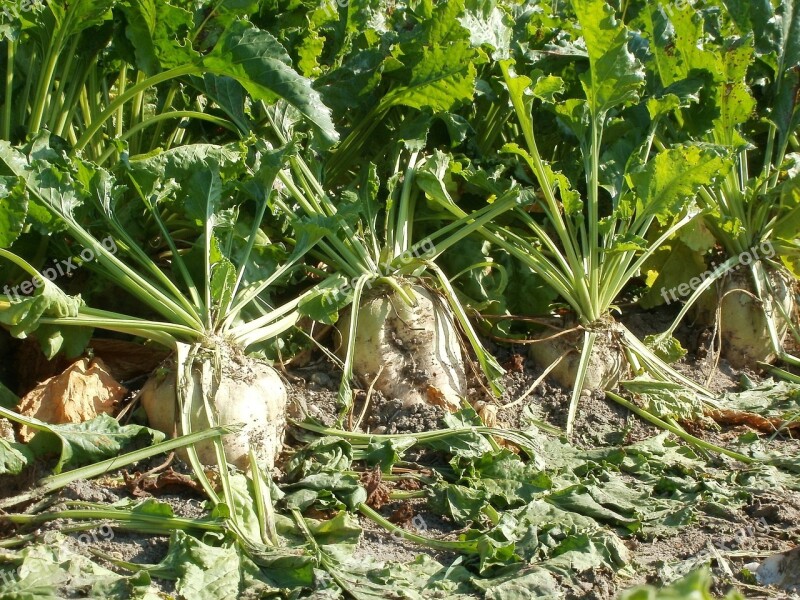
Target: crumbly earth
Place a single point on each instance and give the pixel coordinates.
(771, 519)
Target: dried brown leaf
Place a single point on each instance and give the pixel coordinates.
(82, 392)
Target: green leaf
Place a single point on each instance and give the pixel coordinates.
(665, 399)
(546, 87)
(70, 341)
(244, 505)
(787, 224)
(504, 478)
(615, 76)
(419, 579)
(342, 530)
(575, 116)
(658, 107)
(771, 399)
(78, 444)
(182, 163)
(8, 399)
(532, 581)
(695, 586)
(580, 499)
(627, 242)
(223, 281)
(327, 298)
(668, 349)
(697, 236)
(158, 33)
(736, 103)
(462, 504)
(14, 457)
(153, 507)
(323, 453)
(488, 26)
(787, 115)
(686, 64)
(13, 209)
(387, 453)
(466, 444)
(677, 42)
(330, 488)
(670, 266)
(23, 316)
(309, 53)
(259, 62)
(50, 569)
(81, 14)
(210, 572)
(439, 78)
(669, 181)
(228, 94)
(559, 541)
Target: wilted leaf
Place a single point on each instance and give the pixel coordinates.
(14, 457)
(83, 443)
(50, 569)
(696, 585)
(669, 349)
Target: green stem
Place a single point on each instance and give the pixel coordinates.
(56, 106)
(678, 431)
(593, 184)
(402, 237)
(511, 435)
(122, 83)
(70, 102)
(139, 87)
(407, 495)
(10, 54)
(26, 94)
(467, 547)
(168, 100)
(778, 372)
(137, 520)
(43, 89)
(589, 338)
(163, 333)
(54, 482)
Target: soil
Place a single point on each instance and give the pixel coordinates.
(770, 521)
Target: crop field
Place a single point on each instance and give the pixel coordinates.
(399, 299)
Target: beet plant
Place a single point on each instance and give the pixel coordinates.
(746, 80)
(402, 321)
(212, 295)
(599, 210)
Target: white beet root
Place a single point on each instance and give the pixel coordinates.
(743, 322)
(417, 346)
(607, 364)
(251, 393)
